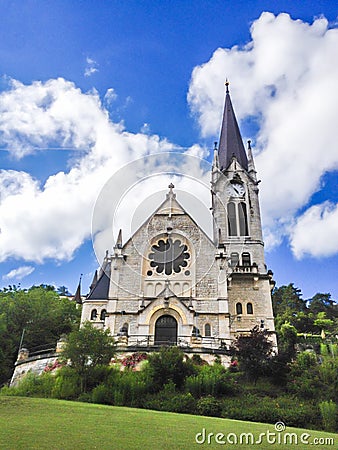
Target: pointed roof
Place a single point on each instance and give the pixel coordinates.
(170, 206)
(91, 287)
(230, 143)
(77, 296)
(101, 289)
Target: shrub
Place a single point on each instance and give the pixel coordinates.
(198, 361)
(211, 380)
(67, 384)
(256, 408)
(125, 388)
(324, 349)
(209, 406)
(328, 411)
(319, 381)
(102, 394)
(328, 374)
(168, 365)
(32, 386)
(253, 352)
(85, 397)
(130, 389)
(305, 360)
(170, 400)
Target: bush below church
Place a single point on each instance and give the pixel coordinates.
(212, 380)
(288, 409)
(205, 390)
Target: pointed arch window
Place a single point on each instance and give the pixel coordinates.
(249, 308)
(93, 314)
(207, 330)
(243, 219)
(103, 314)
(239, 308)
(232, 221)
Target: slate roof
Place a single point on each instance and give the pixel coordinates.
(77, 296)
(230, 143)
(101, 289)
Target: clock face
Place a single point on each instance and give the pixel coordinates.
(236, 190)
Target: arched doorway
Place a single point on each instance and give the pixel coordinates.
(166, 330)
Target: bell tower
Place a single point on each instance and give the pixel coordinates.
(237, 227)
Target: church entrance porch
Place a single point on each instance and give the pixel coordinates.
(166, 330)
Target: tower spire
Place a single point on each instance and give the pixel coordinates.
(230, 142)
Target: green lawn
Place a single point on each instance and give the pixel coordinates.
(31, 423)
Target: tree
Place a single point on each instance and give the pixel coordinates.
(166, 366)
(38, 315)
(254, 352)
(63, 290)
(288, 306)
(287, 339)
(322, 322)
(86, 349)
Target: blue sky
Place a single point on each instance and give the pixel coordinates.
(89, 86)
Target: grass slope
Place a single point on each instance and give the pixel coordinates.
(31, 423)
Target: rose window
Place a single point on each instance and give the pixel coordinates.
(169, 256)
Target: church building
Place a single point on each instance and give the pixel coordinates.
(192, 291)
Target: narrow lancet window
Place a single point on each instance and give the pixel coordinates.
(243, 219)
(232, 222)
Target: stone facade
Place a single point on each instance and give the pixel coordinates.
(171, 284)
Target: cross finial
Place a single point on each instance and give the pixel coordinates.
(171, 187)
(227, 86)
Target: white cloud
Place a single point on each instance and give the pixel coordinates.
(19, 273)
(110, 96)
(91, 67)
(41, 114)
(286, 79)
(290, 74)
(145, 128)
(316, 232)
(52, 220)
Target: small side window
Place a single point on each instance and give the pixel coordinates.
(239, 308)
(246, 260)
(93, 314)
(234, 259)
